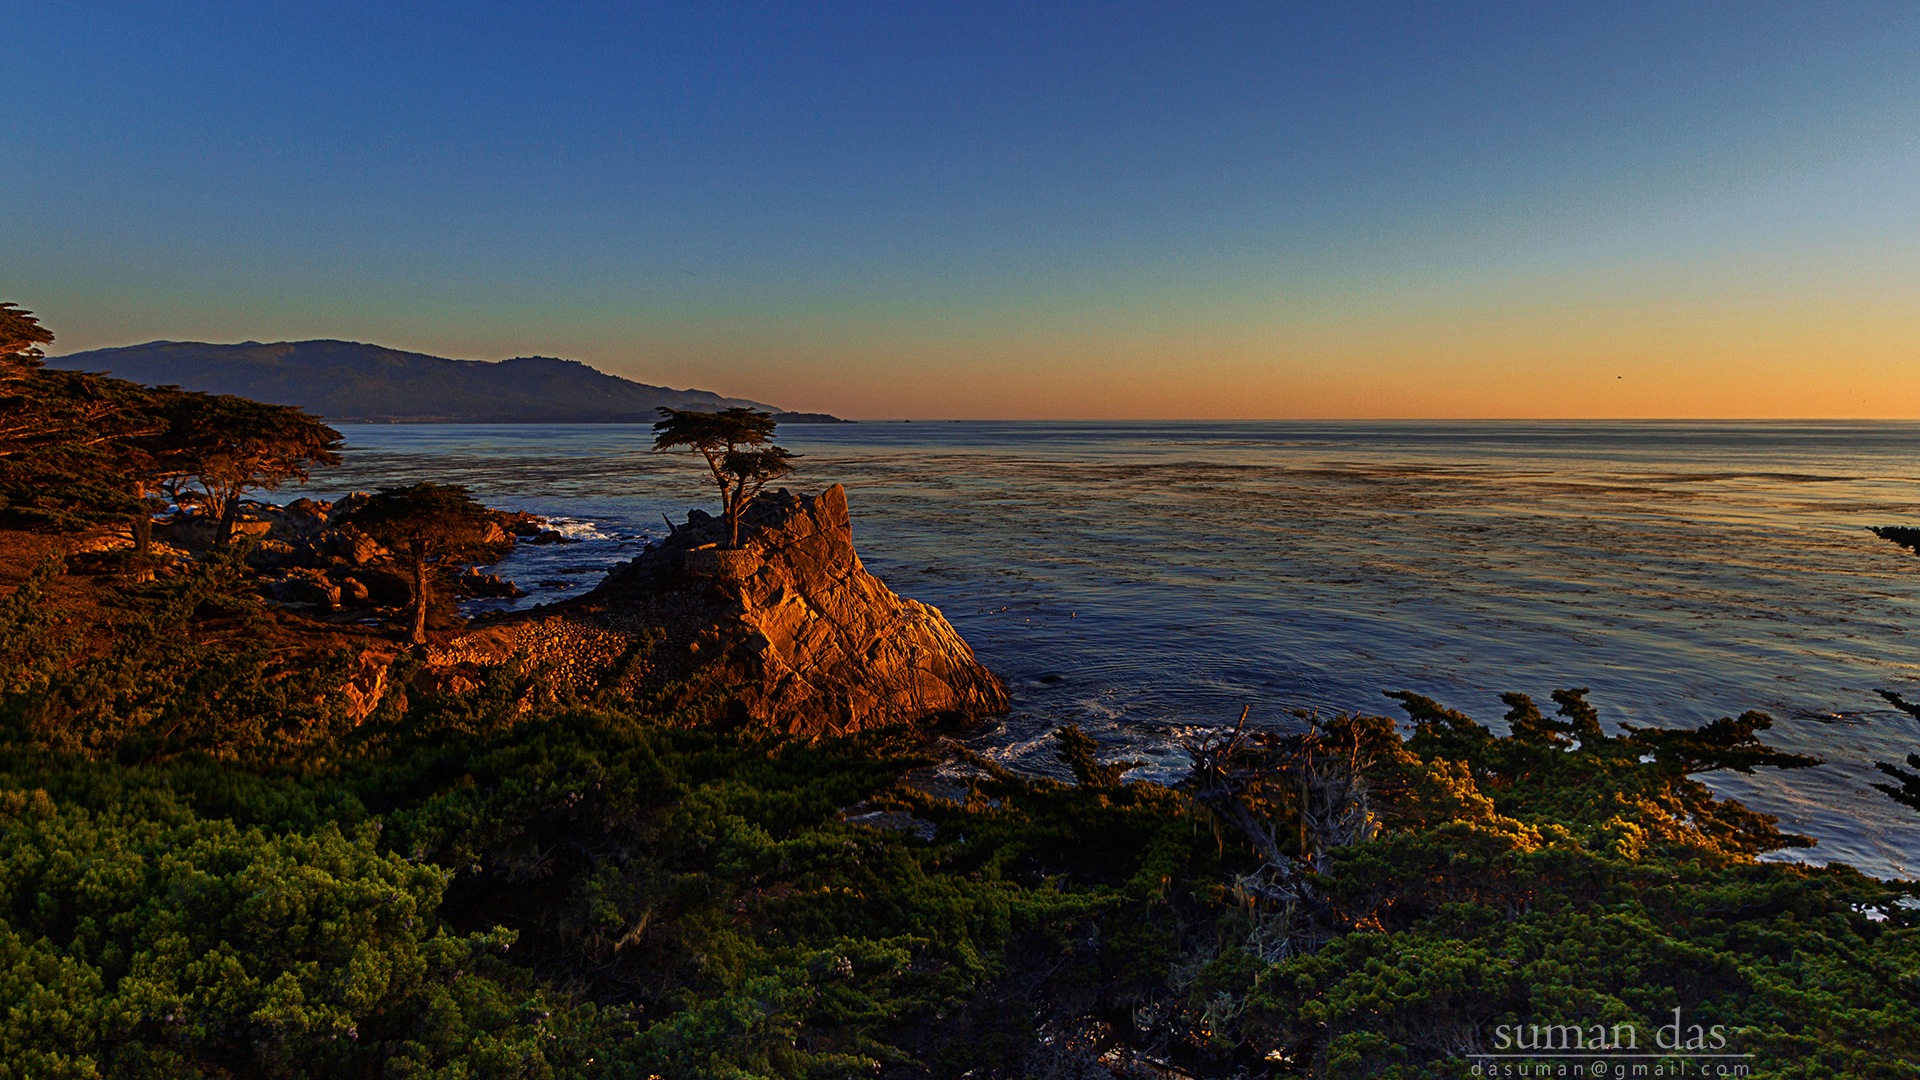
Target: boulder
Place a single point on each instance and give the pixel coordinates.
(368, 685)
(791, 629)
(475, 585)
(522, 524)
(353, 547)
(303, 586)
(282, 523)
(268, 554)
(353, 591)
(308, 508)
(186, 530)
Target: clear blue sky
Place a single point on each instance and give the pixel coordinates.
(979, 210)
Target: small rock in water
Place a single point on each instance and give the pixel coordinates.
(475, 584)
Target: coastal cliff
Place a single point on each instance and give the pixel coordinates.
(789, 631)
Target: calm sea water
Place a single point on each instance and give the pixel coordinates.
(1144, 580)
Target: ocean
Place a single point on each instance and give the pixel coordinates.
(1149, 580)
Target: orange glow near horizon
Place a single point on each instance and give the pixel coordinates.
(1611, 358)
(1778, 362)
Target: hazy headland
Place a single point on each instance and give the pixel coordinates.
(350, 382)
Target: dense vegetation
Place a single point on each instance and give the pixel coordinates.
(80, 449)
(211, 871)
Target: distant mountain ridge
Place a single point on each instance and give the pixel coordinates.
(351, 382)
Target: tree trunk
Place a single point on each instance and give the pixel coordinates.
(141, 528)
(419, 634)
(142, 523)
(229, 511)
(736, 509)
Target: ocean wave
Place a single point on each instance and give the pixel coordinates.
(580, 529)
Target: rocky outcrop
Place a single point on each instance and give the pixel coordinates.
(789, 631)
(308, 559)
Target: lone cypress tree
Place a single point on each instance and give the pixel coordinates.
(424, 525)
(736, 445)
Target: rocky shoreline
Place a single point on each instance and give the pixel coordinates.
(788, 631)
(308, 560)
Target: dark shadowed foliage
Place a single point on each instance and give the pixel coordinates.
(426, 526)
(216, 448)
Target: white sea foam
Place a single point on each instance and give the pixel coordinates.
(580, 529)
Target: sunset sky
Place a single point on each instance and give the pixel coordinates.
(1019, 210)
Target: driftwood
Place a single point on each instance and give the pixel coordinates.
(1296, 799)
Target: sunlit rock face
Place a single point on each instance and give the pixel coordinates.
(789, 631)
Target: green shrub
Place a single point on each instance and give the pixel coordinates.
(208, 870)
